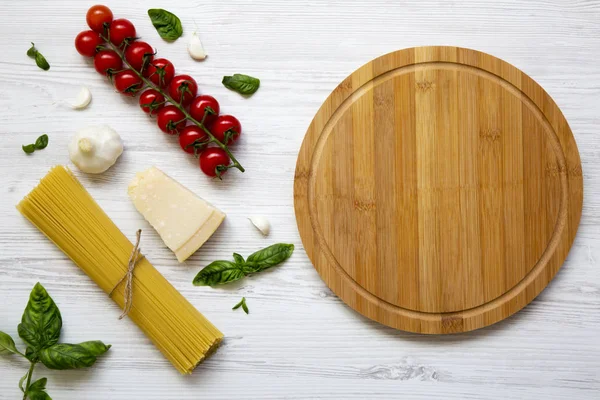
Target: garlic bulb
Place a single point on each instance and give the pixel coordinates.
(82, 100)
(262, 224)
(195, 48)
(95, 149)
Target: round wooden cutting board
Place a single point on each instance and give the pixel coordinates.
(438, 190)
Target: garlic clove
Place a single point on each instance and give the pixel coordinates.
(82, 100)
(195, 48)
(262, 224)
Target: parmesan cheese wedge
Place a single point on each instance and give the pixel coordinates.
(183, 220)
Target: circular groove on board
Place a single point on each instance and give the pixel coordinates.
(477, 313)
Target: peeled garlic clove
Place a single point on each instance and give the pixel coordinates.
(83, 99)
(262, 224)
(195, 48)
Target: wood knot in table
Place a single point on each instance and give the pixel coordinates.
(490, 134)
(364, 206)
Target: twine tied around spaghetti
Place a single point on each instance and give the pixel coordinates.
(128, 277)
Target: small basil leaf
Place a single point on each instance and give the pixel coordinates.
(66, 356)
(7, 344)
(38, 385)
(166, 23)
(243, 84)
(270, 256)
(41, 61)
(31, 354)
(41, 323)
(29, 148)
(244, 306)
(217, 273)
(95, 347)
(238, 305)
(238, 259)
(41, 142)
(32, 51)
(22, 381)
(38, 395)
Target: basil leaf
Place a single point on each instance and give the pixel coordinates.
(244, 306)
(41, 62)
(95, 347)
(41, 323)
(218, 272)
(22, 381)
(239, 260)
(7, 344)
(29, 148)
(41, 142)
(66, 356)
(31, 354)
(32, 51)
(238, 305)
(166, 23)
(243, 84)
(38, 385)
(38, 395)
(270, 256)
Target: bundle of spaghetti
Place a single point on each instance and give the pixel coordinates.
(65, 212)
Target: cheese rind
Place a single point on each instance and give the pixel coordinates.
(183, 220)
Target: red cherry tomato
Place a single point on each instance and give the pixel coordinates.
(213, 161)
(191, 137)
(151, 101)
(168, 120)
(107, 61)
(183, 85)
(139, 54)
(226, 128)
(97, 16)
(86, 43)
(121, 29)
(160, 72)
(202, 103)
(127, 83)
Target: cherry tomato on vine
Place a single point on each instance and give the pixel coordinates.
(97, 16)
(192, 134)
(160, 71)
(121, 29)
(200, 104)
(151, 101)
(128, 83)
(168, 120)
(107, 61)
(86, 43)
(213, 161)
(139, 54)
(183, 86)
(226, 128)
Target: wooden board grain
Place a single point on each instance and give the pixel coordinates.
(438, 190)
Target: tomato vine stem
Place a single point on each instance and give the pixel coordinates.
(188, 117)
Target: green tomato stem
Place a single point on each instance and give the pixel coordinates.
(149, 83)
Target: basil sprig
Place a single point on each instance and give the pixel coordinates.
(40, 144)
(40, 328)
(40, 60)
(221, 271)
(243, 84)
(167, 24)
(242, 304)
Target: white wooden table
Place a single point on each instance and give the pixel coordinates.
(299, 341)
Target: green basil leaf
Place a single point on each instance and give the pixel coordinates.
(166, 23)
(41, 323)
(95, 347)
(238, 305)
(38, 385)
(32, 51)
(238, 259)
(41, 142)
(31, 354)
(41, 62)
(217, 273)
(66, 356)
(7, 344)
(38, 395)
(270, 256)
(243, 84)
(22, 381)
(28, 148)
(244, 306)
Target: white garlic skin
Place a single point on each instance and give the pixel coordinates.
(95, 149)
(195, 48)
(262, 224)
(83, 99)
